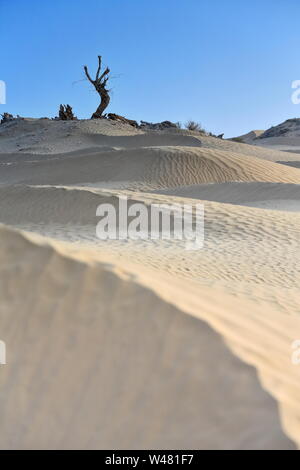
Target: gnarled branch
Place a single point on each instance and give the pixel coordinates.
(99, 67)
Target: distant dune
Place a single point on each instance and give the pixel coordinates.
(250, 136)
(285, 136)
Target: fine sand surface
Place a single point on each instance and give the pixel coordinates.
(143, 343)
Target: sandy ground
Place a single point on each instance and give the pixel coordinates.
(143, 343)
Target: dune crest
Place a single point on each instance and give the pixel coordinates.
(125, 338)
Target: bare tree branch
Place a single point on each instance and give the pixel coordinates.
(99, 67)
(88, 75)
(106, 72)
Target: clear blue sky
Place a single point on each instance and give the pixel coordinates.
(226, 63)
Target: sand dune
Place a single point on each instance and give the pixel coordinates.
(148, 167)
(127, 344)
(48, 138)
(283, 137)
(142, 343)
(245, 248)
(274, 195)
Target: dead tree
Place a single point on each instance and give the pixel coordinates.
(100, 85)
(6, 117)
(116, 117)
(66, 113)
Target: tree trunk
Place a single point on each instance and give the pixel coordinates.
(105, 99)
(100, 85)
